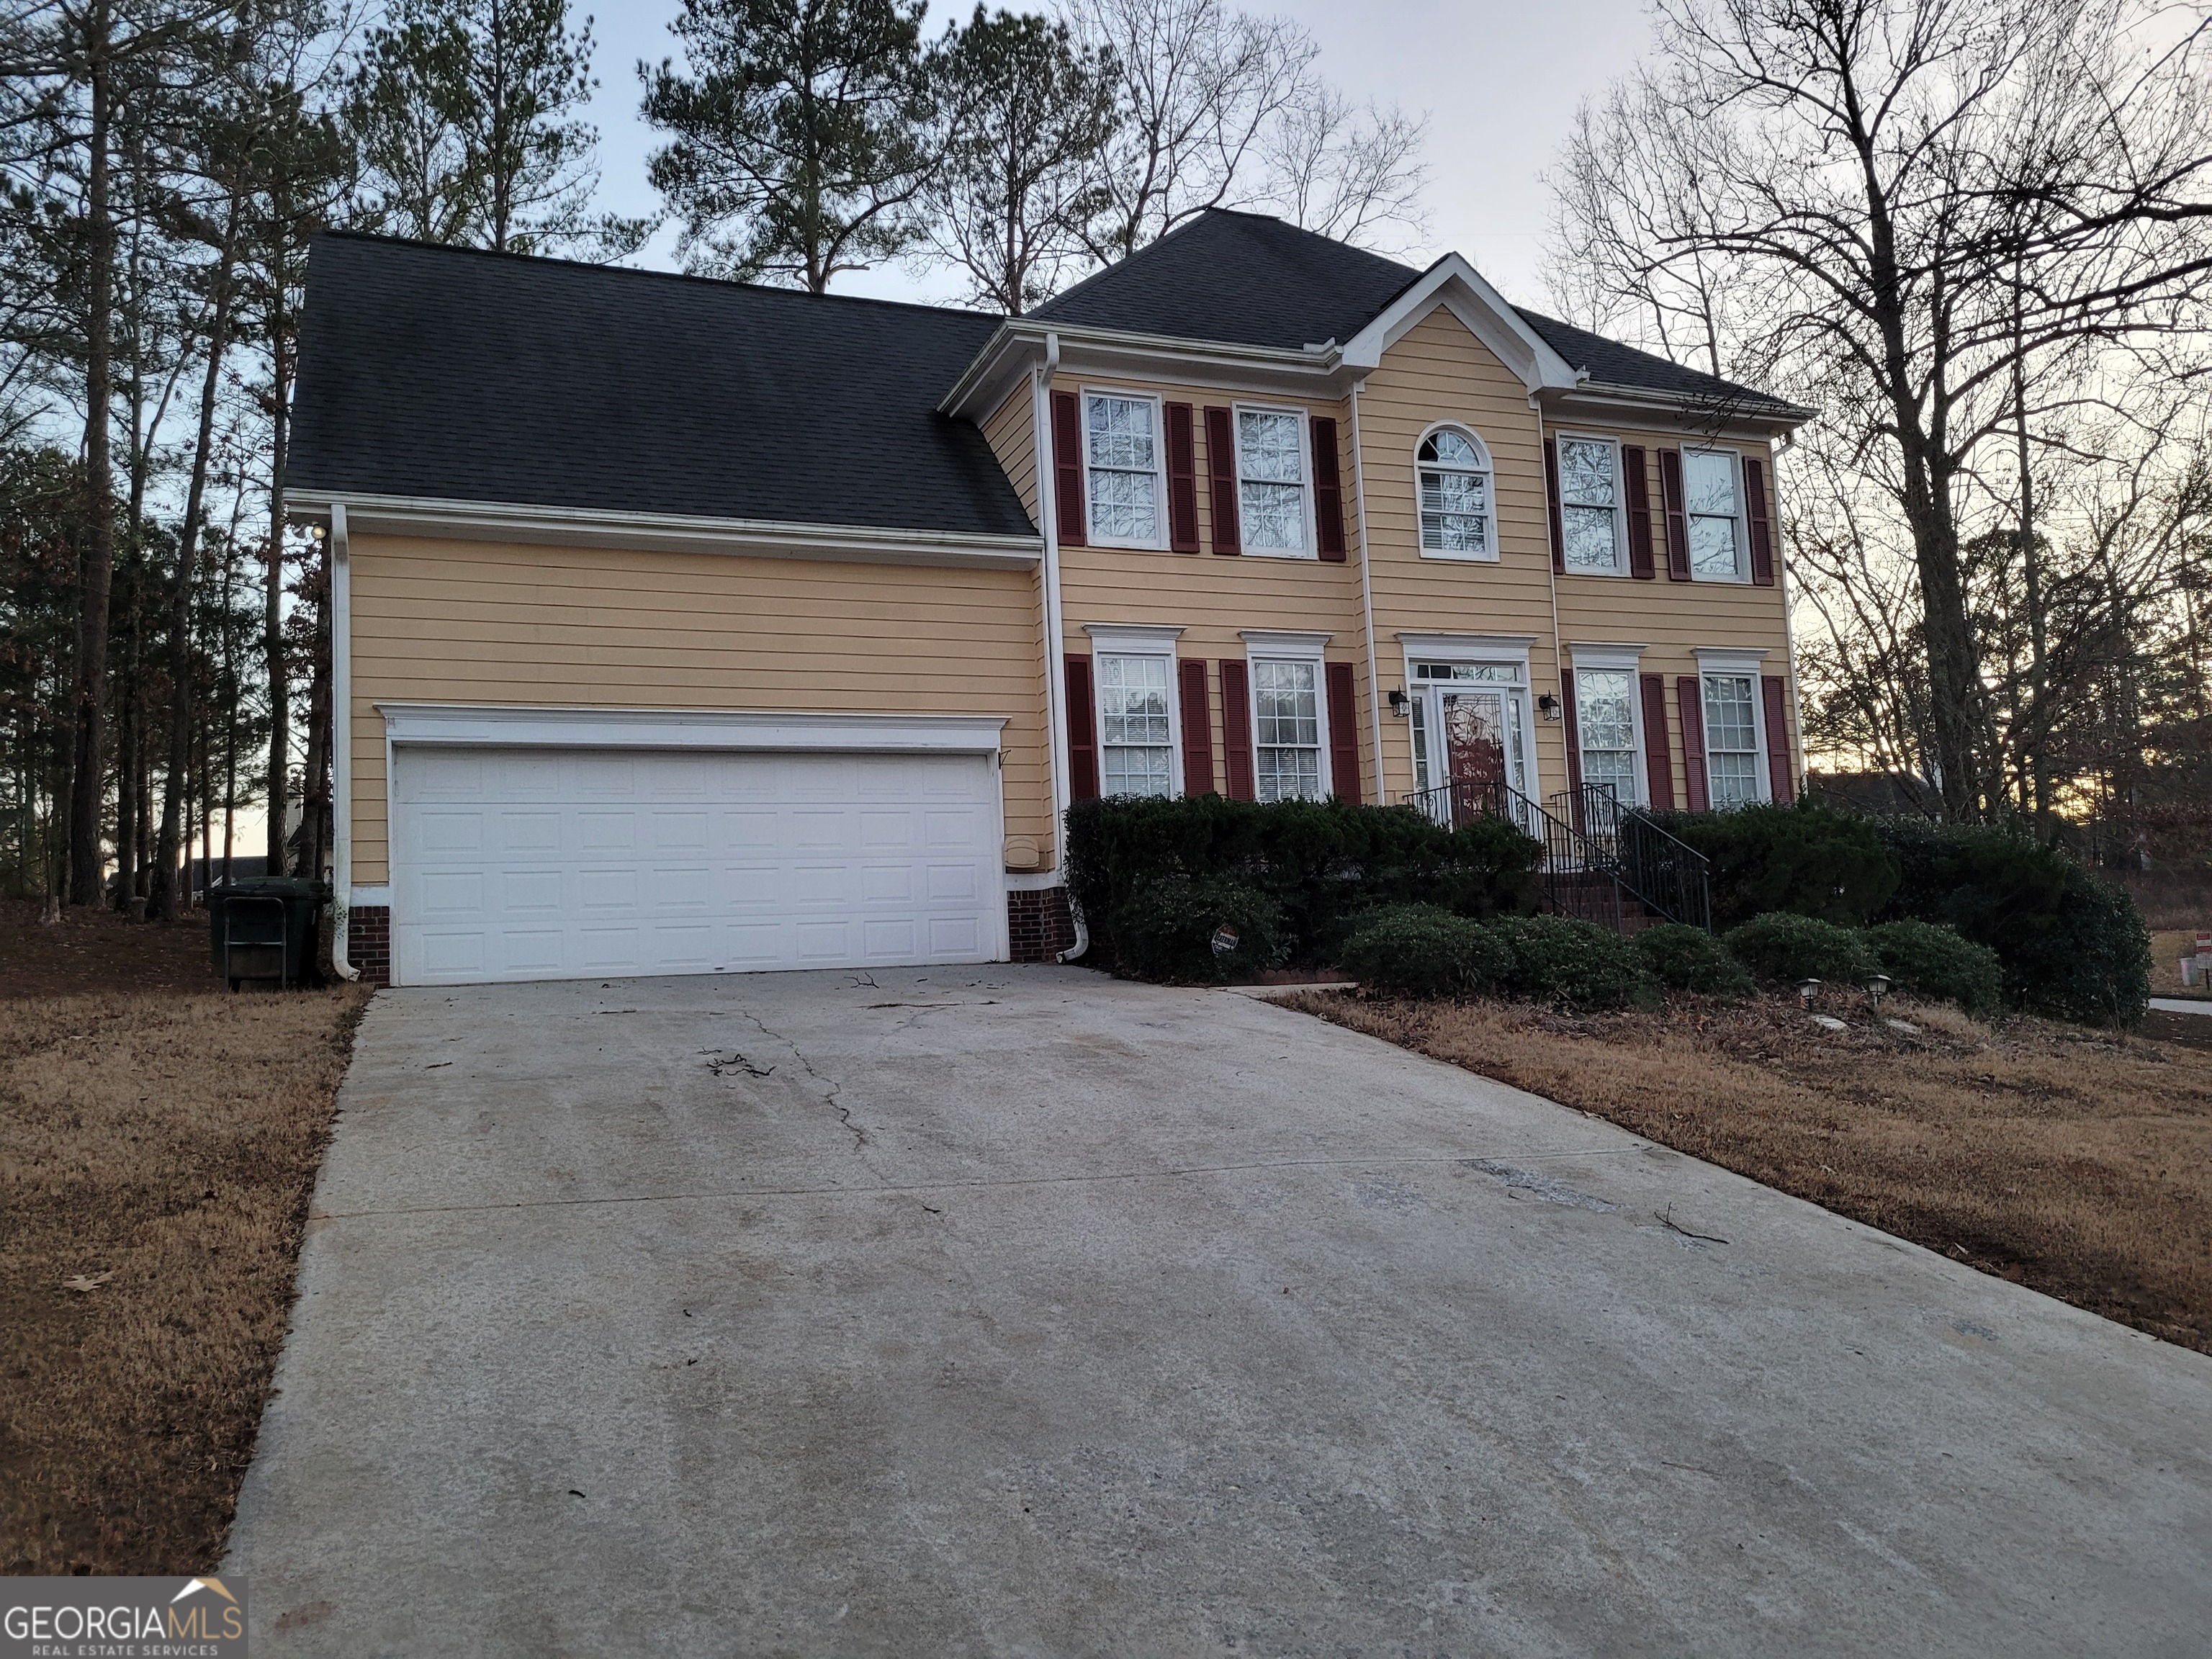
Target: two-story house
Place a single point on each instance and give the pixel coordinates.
(684, 626)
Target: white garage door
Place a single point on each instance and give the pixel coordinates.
(554, 864)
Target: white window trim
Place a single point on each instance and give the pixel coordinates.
(1477, 650)
(1619, 504)
(1310, 530)
(1159, 540)
(1466, 430)
(1137, 640)
(1743, 576)
(1737, 662)
(1619, 658)
(1266, 645)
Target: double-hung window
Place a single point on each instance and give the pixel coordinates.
(1122, 450)
(1452, 473)
(1136, 745)
(1287, 726)
(1732, 757)
(1605, 721)
(1716, 513)
(1589, 505)
(1270, 480)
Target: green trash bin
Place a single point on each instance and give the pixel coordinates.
(266, 927)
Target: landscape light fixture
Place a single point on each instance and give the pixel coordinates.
(1877, 987)
(1808, 991)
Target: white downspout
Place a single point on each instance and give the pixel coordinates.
(341, 743)
(1055, 695)
(1367, 600)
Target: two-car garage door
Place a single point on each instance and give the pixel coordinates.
(552, 863)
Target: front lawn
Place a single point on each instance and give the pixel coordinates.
(159, 1139)
(2077, 1162)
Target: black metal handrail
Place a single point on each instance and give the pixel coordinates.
(1665, 874)
(1579, 879)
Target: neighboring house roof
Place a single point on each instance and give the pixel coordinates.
(450, 374)
(1245, 279)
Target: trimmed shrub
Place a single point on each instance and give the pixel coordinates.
(1324, 862)
(1576, 964)
(1165, 929)
(1933, 961)
(1687, 958)
(1781, 945)
(1809, 860)
(1424, 950)
(2072, 945)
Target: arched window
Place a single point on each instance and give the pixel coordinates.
(1458, 520)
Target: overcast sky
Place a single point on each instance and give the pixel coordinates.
(1498, 82)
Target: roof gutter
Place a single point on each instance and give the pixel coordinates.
(512, 521)
(1773, 411)
(1024, 337)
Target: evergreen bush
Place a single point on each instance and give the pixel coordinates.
(1424, 950)
(1933, 961)
(1686, 958)
(1575, 964)
(1166, 927)
(1787, 947)
(1810, 860)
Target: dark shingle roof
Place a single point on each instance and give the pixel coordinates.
(1248, 280)
(457, 376)
(1614, 364)
(1239, 278)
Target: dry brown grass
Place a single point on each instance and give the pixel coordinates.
(2076, 1162)
(162, 1146)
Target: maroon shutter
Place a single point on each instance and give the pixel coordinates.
(1221, 469)
(1328, 493)
(1658, 767)
(1082, 732)
(1678, 517)
(1237, 729)
(1552, 500)
(1689, 696)
(1568, 688)
(1780, 777)
(1637, 482)
(1067, 470)
(1343, 733)
(1182, 481)
(1762, 529)
(1197, 729)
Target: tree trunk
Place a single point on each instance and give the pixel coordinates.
(87, 792)
(314, 789)
(164, 900)
(272, 612)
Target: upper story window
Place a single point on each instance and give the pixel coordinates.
(1121, 447)
(1716, 512)
(1457, 521)
(1590, 504)
(1270, 480)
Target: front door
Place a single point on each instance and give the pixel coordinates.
(1475, 736)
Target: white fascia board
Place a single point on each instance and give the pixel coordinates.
(658, 532)
(523, 726)
(1453, 283)
(1313, 372)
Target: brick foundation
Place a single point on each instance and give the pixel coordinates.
(368, 942)
(1039, 925)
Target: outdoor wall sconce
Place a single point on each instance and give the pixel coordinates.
(1808, 991)
(1400, 704)
(1548, 706)
(1877, 987)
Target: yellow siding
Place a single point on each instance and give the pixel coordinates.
(1010, 434)
(440, 620)
(1673, 620)
(1212, 596)
(1440, 372)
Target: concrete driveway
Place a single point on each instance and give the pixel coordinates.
(1020, 1312)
